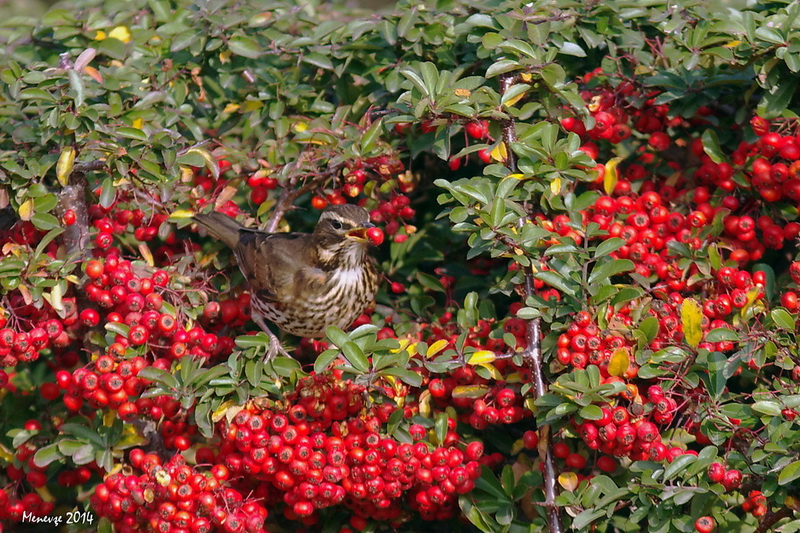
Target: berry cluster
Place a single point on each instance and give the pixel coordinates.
(171, 497)
(13, 506)
(127, 298)
(323, 446)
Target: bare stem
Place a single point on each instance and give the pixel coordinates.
(532, 354)
(73, 197)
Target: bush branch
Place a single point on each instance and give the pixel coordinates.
(73, 197)
(532, 354)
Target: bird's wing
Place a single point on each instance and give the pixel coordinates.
(270, 262)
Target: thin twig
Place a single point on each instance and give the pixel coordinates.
(532, 354)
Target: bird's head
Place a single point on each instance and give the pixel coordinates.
(343, 227)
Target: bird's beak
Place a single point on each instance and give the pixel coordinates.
(360, 234)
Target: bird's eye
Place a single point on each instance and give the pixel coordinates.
(336, 224)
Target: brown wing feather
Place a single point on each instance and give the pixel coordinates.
(270, 262)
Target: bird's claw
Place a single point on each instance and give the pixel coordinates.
(275, 348)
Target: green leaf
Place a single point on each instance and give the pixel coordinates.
(159, 376)
(722, 334)
(783, 319)
(557, 281)
(572, 49)
(318, 60)
(352, 352)
(591, 412)
(789, 473)
(338, 337)
(711, 146)
(767, 407)
(778, 97)
(608, 246)
(47, 454)
(407, 376)
(678, 465)
(132, 133)
(45, 221)
(716, 374)
(245, 46)
(605, 271)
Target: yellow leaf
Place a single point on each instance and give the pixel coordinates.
(792, 503)
(470, 391)
(138, 123)
(64, 165)
(221, 411)
(514, 377)
(516, 177)
(181, 214)
(641, 69)
(492, 371)
(463, 93)
(101, 35)
(45, 494)
(231, 108)
(568, 481)
(611, 175)
(5, 453)
(300, 127)
(732, 44)
(252, 105)
(435, 348)
(56, 295)
(187, 174)
(412, 349)
(147, 255)
(618, 364)
(26, 209)
(211, 162)
(500, 152)
(691, 319)
(482, 356)
(752, 295)
(514, 100)
(121, 33)
(109, 417)
(555, 186)
(526, 76)
(225, 57)
(425, 403)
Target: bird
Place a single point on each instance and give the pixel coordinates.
(303, 282)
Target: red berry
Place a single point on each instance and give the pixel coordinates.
(375, 236)
(704, 524)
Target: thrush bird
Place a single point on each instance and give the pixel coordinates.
(303, 282)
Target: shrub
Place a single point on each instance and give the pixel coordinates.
(589, 313)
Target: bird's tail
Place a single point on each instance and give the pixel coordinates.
(220, 226)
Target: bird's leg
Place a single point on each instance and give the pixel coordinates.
(275, 347)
